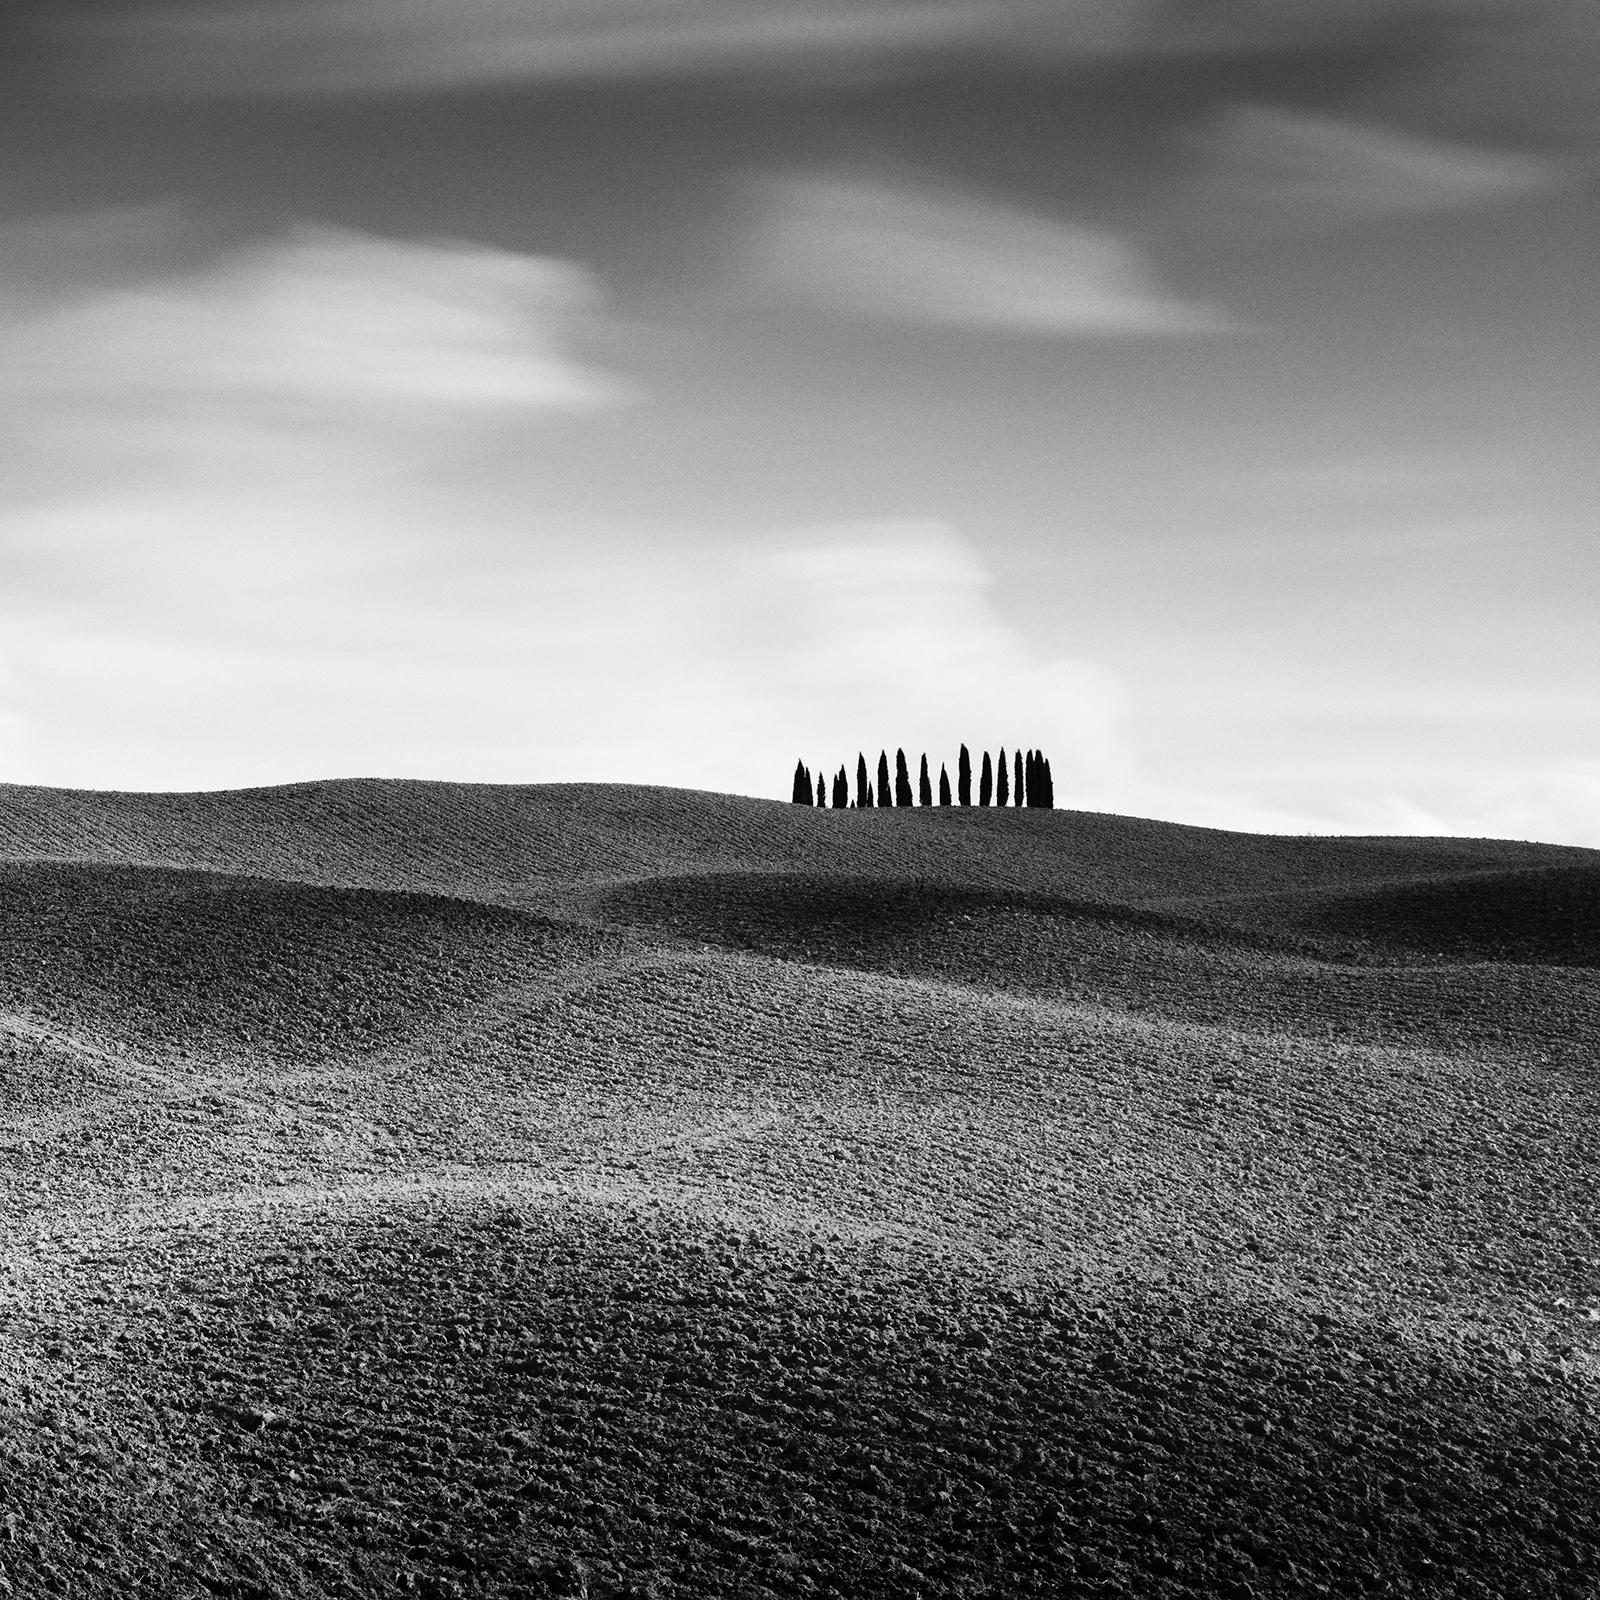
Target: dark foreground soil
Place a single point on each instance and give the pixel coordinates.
(796, 1231)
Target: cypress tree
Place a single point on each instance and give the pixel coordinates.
(964, 778)
(885, 797)
(1020, 787)
(841, 790)
(902, 780)
(944, 785)
(986, 781)
(1002, 780)
(924, 788)
(861, 781)
(1033, 778)
(802, 785)
(822, 792)
(1049, 786)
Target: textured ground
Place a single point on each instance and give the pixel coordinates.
(444, 1190)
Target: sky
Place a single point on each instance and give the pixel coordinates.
(1203, 391)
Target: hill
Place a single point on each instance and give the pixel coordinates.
(512, 843)
(557, 1190)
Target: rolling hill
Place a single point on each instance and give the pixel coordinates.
(439, 1189)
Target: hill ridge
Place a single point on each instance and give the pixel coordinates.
(503, 841)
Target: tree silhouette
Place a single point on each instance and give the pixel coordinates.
(1041, 786)
(1033, 785)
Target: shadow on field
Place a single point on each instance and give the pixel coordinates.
(1537, 916)
(1303, 964)
(184, 960)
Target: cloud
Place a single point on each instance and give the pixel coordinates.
(890, 630)
(343, 46)
(59, 257)
(236, 462)
(16, 765)
(316, 323)
(297, 643)
(898, 253)
(1274, 167)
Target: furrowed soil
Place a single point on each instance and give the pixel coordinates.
(427, 1189)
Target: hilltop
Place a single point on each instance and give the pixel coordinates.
(526, 845)
(560, 1189)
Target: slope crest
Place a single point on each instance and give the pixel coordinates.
(1546, 916)
(183, 960)
(530, 844)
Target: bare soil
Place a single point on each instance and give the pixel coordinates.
(437, 1190)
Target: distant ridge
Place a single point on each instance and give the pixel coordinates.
(528, 844)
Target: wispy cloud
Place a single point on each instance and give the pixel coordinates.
(59, 258)
(903, 253)
(233, 462)
(321, 320)
(1276, 167)
(344, 46)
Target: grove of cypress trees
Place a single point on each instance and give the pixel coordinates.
(1033, 784)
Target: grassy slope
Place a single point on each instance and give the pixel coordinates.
(460, 1188)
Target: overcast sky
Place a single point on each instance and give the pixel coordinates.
(523, 390)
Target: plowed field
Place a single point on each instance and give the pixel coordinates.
(579, 1190)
